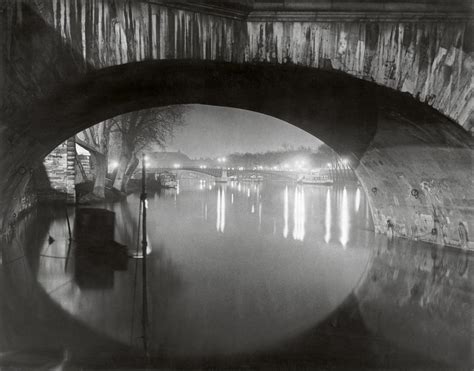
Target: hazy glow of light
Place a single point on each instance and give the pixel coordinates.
(344, 219)
(113, 165)
(299, 214)
(357, 201)
(176, 166)
(327, 236)
(285, 213)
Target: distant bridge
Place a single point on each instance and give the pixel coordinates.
(226, 173)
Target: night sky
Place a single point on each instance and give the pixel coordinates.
(218, 131)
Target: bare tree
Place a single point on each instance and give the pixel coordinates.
(139, 131)
(96, 140)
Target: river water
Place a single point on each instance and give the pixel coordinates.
(232, 268)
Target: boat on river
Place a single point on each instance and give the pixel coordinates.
(323, 180)
(167, 180)
(253, 178)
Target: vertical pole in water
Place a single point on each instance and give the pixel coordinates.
(68, 226)
(144, 248)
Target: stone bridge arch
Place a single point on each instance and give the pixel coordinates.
(425, 52)
(414, 163)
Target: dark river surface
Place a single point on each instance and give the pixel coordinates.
(232, 268)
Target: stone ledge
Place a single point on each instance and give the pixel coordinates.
(358, 16)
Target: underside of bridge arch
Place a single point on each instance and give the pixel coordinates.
(414, 164)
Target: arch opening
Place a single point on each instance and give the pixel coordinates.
(249, 226)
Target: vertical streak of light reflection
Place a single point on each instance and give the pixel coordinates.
(344, 219)
(327, 236)
(357, 200)
(218, 219)
(220, 222)
(299, 214)
(285, 213)
(259, 215)
(223, 209)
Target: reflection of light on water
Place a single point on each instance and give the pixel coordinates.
(220, 222)
(218, 219)
(239, 187)
(285, 213)
(253, 209)
(327, 236)
(259, 214)
(139, 254)
(344, 219)
(357, 202)
(232, 198)
(248, 192)
(299, 214)
(223, 210)
(177, 188)
(205, 211)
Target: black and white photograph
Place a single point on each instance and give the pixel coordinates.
(236, 185)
